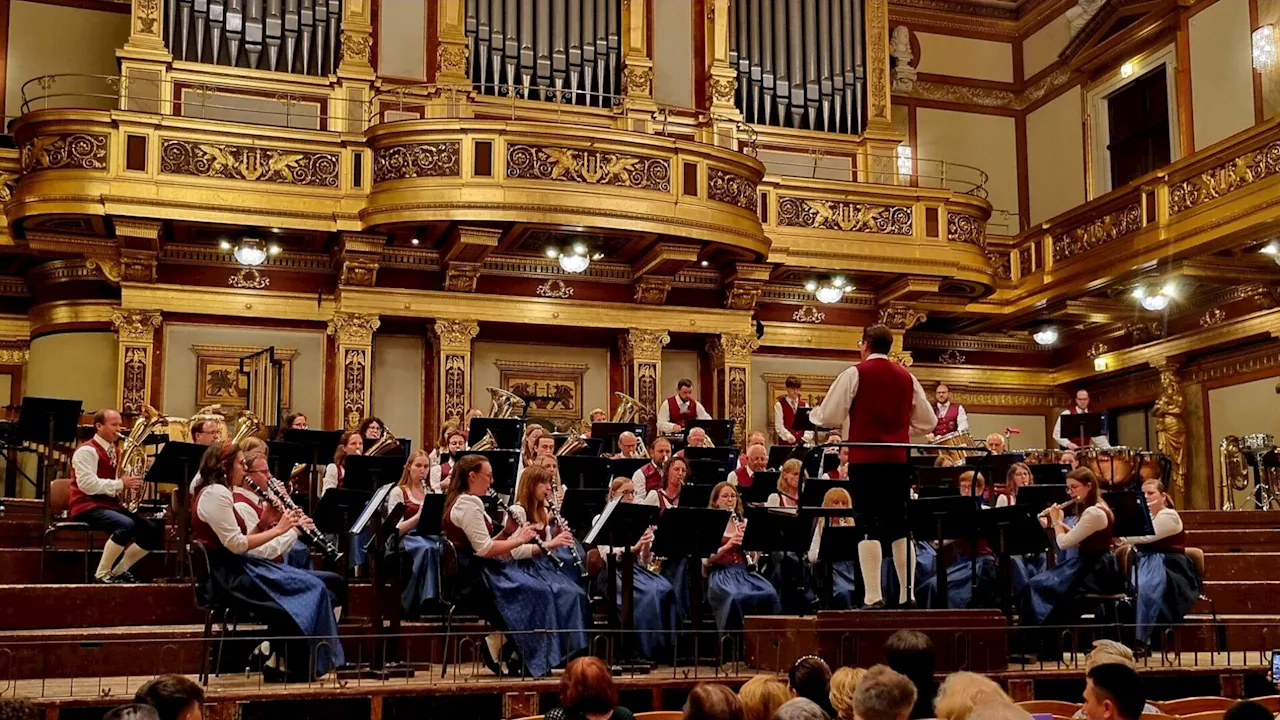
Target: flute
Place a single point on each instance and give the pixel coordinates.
(1060, 506)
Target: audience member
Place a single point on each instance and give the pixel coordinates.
(132, 712)
(175, 697)
(884, 694)
(1110, 651)
(1248, 710)
(961, 692)
(1000, 710)
(810, 678)
(712, 702)
(761, 696)
(587, 692)
(910, 652)
(1113, 691)
(799, 708)
(843, 685)
(19, 710)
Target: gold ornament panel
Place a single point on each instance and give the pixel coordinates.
(218, 380)
(1237, 173)
(415, 160)
(250, 163)
(966, 229)
(1095, 233)
(731, 188)
(818, 214)
(594, 167)
(79, 151)
(560, 381)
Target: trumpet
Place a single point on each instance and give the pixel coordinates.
(1061, 506)
(554, 508)
(537, 541)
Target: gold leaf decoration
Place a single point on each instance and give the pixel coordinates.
(844, 216)
(951, 357)
(1232, 175)
(1098, 348)
(80, 151)
(595, 167)
(431, 159)
(554, 288)
(966, 229)
(356, 48)
(1095, 233)
(1213, 317)
(249, 279)
(255, 164)
(452, 59)
(731, 188)
(638, 80)
(809, 314)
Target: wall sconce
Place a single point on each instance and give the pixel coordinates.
(1264, 48)
(1100, 364)
(1126, 70)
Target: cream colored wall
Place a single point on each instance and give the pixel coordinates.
(986, 142)
(1032, 426)
(484, 373)
(399, 384)
(761, 402)
(6, 390)
(1041, 48)
(965, 57)
(180, 363)
(1221, 71)
(1239, 410)
(1055, 156)
(74, 365)
(673, 52)
(1131, 429)
(402, 39)
(46, 39)
(678, 364)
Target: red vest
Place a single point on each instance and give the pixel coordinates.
(731, 557)
(1100, 541)
(457, 536)
(80, 501)
(744, 477)
(789, 418)
(201, 531)
(240, 495)
(652, 478)
(681, 418)
(948, 422)
(445, 468)
(880, 411)
(1175, 543)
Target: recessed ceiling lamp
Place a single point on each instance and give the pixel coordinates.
(829, 291)
(1158, 300)
(250, 251)
(1126, 70)
(574, 260)
(1047, 335)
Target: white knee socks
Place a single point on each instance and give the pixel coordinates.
(110, 553)
(870, 556)
(901, 562)
(132, 554)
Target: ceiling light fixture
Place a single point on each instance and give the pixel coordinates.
(574, 261)
(1264, 48)
(829, 291)
(1273, 249)
(251, 252)
(1100, 364)
(1158, 300)
(1046, 335)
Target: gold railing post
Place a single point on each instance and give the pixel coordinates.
(731, 363)
(642, 366)
(637, 65)
(136, 331)
(453, 367)
(353, 338)
(452, 51)
(355, 68)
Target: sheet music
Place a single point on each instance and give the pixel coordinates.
(590, 539)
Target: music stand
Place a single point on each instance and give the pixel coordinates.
(47, 421)
(940, 519)
(608, 432)
(940, 477)
(1080, 428)
(763, 484)
(779, 454)
(1132, 516)
(581, 506)
(386, 537)
(585, 471)
(727, 457)
(320, 447)
(431, 517)
(776, 530)
(839, 543)
(695, 495)
(620, 526)
(282, 457)
(720, 431)
(366, 472)
(509, 432)
(627, 467)
(707, 472)
(813, 490)
(1049, 474)
(505, 465)
(178, 459)
(694, 533)
(1038, 497)
(811, 465)
(1012, 530)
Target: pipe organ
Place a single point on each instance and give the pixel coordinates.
(800, 63)
(565, 51)
(295, 36)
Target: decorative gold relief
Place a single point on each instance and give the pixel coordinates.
(951, 357)
(248, 279)
(452, 59)
(356, 47)
(731, 188)
(135, 325)
(240, 162)
(8, 183)
(1171, 430)
(809, 314)
(877, 16)
(1025, 256)
(644, 345)
(1001, 263)
(987, 97)
(561, 382)
(554, 288)
(743, 294)
(596, 167)
(646, 391)
(1264, 296)
(652, 289)
(722, 89)
(81, 151)
(900, 317)
(637, 80)
(355, 364)
(1098, 348)
(845, 216)
(1237, 173)
(902, 358)
(218, 379)
(1213, 317)
(731, 349)
(133, 395)
(736, 401)
(109, 267)
(14, 352)
(461, 276)
(1143, 333)
(1108, 228)
(432, 159)
(456, 335)
(359, 273)
(966, 229)
(353, 328)
(148, 15)
(453, 389)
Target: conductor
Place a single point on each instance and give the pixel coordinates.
(878, 401)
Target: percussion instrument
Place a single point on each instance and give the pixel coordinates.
(955, 439)
(1112, 466)
(1044, 456)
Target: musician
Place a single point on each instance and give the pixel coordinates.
(951, 417)
(756, 437)
(698, 438)
(295, 421)
(546, 445)
(844, 582)
(455, 442)
(996, 444)
(371, 428)
(627, 446)
(1069, 458)
(675, 413)
(472, 414)
(1167, 580)
(667, 495)
(841, 471)
(95, 492)
(787, 571)
(784, 415)
(1019, 475)
(960, 562)
(788, 495)
(1081, 406)
(259, 515)
(421, 553)
(877, 400)
(293, 603)
(206, 430)
(732, 589)
(351, 443)
(529, 448)
(653, 600)
(598, 415)
(757, 460)
(649, 477)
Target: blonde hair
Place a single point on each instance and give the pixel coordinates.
(761, 696)
(791, 466)
(844, 683)
(979, 484)
(405, 477)
(828, 500)
(962, 691)
(618, 485)
(1109, 651)
(251, 443)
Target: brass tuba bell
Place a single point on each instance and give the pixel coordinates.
(628, 410)
(133, 455)
(504, 404)
(1234, 470)
(247, 425)
(385, 444)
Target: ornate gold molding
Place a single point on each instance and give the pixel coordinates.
(637, 81)
(356, 47)
(652, 289)
(554, 288)
(1213, 317)
(452, 59)
(731, 349)
(461, 276)
(991, 97)
(732, 188)
(414, 160)
(951, 357)
(81, 151)
(250, 163)
(966, 229)
(281, 353)
(901, 317)
(1234, 174)
(742, 294)
(136, 325)
(1171, 428)
(844, 216)
(644, 345)
(596, 167)
(249, 279)
(15, 352)
(455, 335)
(1100, 231)
(809, 314)
(353, 328)
(721, 89)
(877, 30)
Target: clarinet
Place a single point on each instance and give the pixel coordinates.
(537, 541)
(554, 509)
(278, 496)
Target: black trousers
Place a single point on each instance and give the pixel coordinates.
(125, 527)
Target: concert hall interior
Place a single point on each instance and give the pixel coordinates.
(377, 358)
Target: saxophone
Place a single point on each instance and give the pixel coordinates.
(554, 508)
(277, 495)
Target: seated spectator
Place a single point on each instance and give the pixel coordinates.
(175, 697)
(19, 710)
(884, 694)
(1113, 691)
(761, 696)
(587, 692)
(1000, 710)
(961, 692)
(1110, 651)
(843, 685)
(132, 712)
(1248, 710)
(810, 678)
(712, 702)
(910, 652)
(799, 708)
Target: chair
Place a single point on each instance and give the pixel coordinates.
(1219, 629)
(1109, 603)
(1270, 702)
(1193, 705)
(59, 501)
(198, 571)
(1206, 715)
(660, 715)
(1051, 707)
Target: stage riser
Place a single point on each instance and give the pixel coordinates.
(20, 566)
(1208, 519)
(1251, 540)
(1241, 597)
(1242, 566)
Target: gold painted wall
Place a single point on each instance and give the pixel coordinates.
(1055, 156)
(402, 39)
(75, 365)
(399, 384)
(1042, 47)
(484, 373)
(1243, 409)
(46, 39)
(673, 60)
(180, 363)
(965, 57)
(678, 364)
(986, 142)
(1033, 434)
(1221, 71)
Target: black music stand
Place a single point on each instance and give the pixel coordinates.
(777, 530)
(282, 458)
(763, 484)
(994, 468)
(940, 477)
(706, 472)
(881, 492)
(727, 457)
(505, 465)
(181, 460)
(385, 663)
(509, 432)
(47, 421)
(1012, 530)
(581, 506)
(431, 516)
(1049, 474)
(779, 454)
(365, 472)
(1080, 428)
(608, 432)
(945, 518)
(694, 533)
(320, 446)
(585, 471)
(627, 467)
(1132, 516)
(1036, 498)
(839, 543)
(813, 490)
(696, 495)
(720, 431)
(812, 463)
(620, 526)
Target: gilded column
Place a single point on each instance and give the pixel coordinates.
(353, 334)
(876, 24)
(637, 66)
(453, 363)
(452, 51)
(722, 79)
(1171, 430)
(145, 28)
(136, 330)
(355, 68)
(731, 363)
(642, 366)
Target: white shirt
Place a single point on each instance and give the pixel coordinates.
(780, 427)
(525, 552)
(395, 497)
(775, 500)
(652, 499)
(1002, 500)
(330, 479)
(468, 516)
(834, 410)
(249, 513)
(962, 418)
(84, 461)
(195, 480)
(638, 483)
(1092, 520)
(1100, 441)
(733, 476)
(665, 425)
(1167, 523)
(434, 478)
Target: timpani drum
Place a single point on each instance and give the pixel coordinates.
(955, 439)
(1043, 456)
(1112, 466)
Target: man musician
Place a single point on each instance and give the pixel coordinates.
(206, 430)
(649, 477)
(784, 415)
(757, 460)
(627, 446)
(951, 416)
(675, 413)
(95, 493)
(1081, 406)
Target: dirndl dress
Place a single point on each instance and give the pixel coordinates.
(1168, 585)
(960, 585)
(543, 611)
(735, 592)
(1092, 569)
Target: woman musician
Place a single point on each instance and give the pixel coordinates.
(1024, 567)
(535, 502)
(788, 495)
(960, 562)
(529, 446)
(787, 570)
(843, 572)
(420, 553)
(732, 589)
(294, 603)
(455, 441)
(351, 443)
(258, 514)
(1168, 581)
(668, 495)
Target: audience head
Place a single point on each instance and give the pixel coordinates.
(884, 694)
(811, 678)
(761, 696)
(799, 708)
(1109, 651)
(1113, 692)
(961, 692)
(587, 687)
(1000, 710)
(1248, 710)
(911, 653)
(175, 697)
(843, 685)
(712, 702)
(132, 712)
(19, 710)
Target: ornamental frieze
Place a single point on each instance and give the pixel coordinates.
(731, 188)
(966, 229)
(429, 159)
(844, 216)
(1108, 228)
(255, 164)
(78, 151)
(593, 167)
(1001, 263)
(1233, 175)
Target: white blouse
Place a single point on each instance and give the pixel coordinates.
(468, 515)
(1092, 520)
(1167, 523)
(521, 516)
(248, 512)
(652, 499)
(217, 509)
(330, 479)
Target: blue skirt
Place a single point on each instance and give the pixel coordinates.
(1168, 585)
(298, 556)
(844, 584)
(790, 573)
(676, 573)
(569, 566)
(734, 592)
(544, 612)
(1078, 573)
(654, 619)
(1025, 567)
(422, 554)
(960, 590)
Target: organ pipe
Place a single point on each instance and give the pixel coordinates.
(293, 36)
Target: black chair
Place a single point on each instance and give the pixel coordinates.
(59, 501)
(199, 571)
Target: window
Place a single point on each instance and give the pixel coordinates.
(1138, 127)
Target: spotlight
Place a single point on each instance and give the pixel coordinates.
(552, 252)
(1156, 301)
(225, 245)
(811, 286)
(1046, 335)
(273, 249)
(705, 263)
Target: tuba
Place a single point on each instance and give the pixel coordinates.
(1234, 471)
(133, 455)
(488, 442)
(504, 404)
(628, 410)
(247, 424)
(385, 444)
